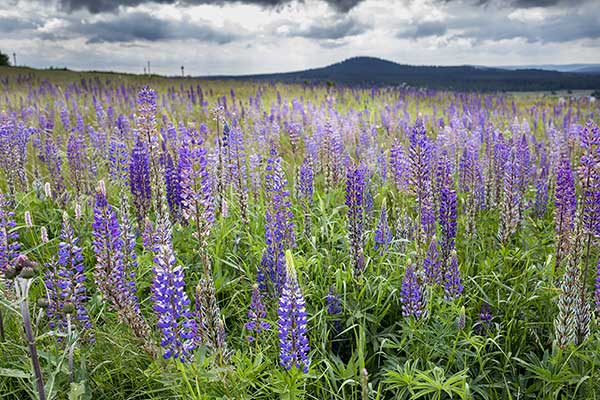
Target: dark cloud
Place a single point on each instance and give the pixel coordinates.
(330, 29)
(423, 29)
(140, 26)
(527, 3)
(98, 6)
(558, 29)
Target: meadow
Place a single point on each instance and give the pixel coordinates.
(188, 239)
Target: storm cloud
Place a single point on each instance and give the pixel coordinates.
(98, 6)
(254, 36)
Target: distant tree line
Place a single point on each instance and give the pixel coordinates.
(4, 60)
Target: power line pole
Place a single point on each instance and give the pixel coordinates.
(182, 74)
(148, 67)
(14, 59)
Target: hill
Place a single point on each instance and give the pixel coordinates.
(367, 71)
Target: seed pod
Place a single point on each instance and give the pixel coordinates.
(68, 308)
(43, 302)
(27, 272)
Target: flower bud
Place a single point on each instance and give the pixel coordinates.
(28, 221)
(44, 234)
(47, 190)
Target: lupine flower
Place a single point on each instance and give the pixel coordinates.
(447, 211)
(355, 191)
(420, 153)
(597, 289)
(452, 282)
(171, 303)
(210, 330)
(565, 325)
(173, 188)
(334, 308)
(399, 166)
(113, 280)
(77, 161)
(565, 204)
(279, 226)
(383, 234)
(485, 319)
(65, 281)
(412, 295)
(14, 138)
(197, 200)
(9, 236)
(139, 180)
(118, 163)
(293, 341)
(432, 264)
(588, 172)
(511, 198)
(541, 184)
(256, 315)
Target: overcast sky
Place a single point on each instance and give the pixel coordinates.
(252, 36)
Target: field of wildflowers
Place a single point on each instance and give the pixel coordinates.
(176, 238)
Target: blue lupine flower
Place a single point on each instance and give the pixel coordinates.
(293, 340)
(256, 315)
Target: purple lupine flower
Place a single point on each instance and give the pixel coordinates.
(9, 236)
(432, 263)
(420, 153)
(565, 204)
(511, 198)
(139, 180)
(334, 308)
(355, 191)
(279, 226)
(118, 163)
(541, 185)
(78, 165)
(114, 281)
(195, 186)
(597, 289)
(588, 173)
(412, 294)
(256, 315)
(293, 340)
(485, 319)
(66, 286)
(399, 166)
(14, 139)
(452, 282)
(173, 188)
(383, 234)
(306, 181)
(171, 303)
(305, 192)
(447, 211)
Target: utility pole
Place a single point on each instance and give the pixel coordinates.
(182, 74)
(14, 59)
(148, 67)
(144, 70)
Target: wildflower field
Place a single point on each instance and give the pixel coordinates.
(189, 239)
